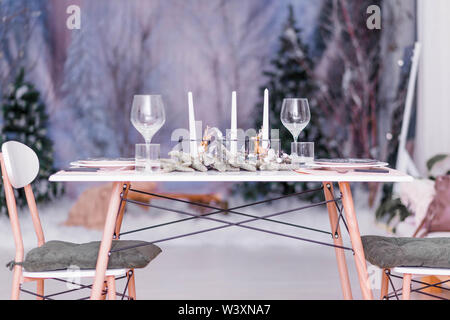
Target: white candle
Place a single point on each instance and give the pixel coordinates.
(233, 133)
(265, 136)
(192, 132)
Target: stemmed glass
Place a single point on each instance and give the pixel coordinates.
(295, 115)
(147, 115)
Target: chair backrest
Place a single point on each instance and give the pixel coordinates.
(21, 163)
(20, 166)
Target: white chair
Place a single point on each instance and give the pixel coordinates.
(20, 166)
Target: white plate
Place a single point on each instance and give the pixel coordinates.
(351, 161)
(349, 165)
(103, 163)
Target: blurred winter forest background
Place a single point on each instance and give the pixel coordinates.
(319, 49)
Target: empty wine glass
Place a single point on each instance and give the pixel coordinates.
(295, 115)
(147, 115)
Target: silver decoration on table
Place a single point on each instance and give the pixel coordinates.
(214, 155)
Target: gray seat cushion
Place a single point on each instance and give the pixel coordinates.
(387, 252)
(60, 255)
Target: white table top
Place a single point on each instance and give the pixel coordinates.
(215, 176)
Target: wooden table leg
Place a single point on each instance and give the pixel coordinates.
(105, 246)
(131, 284)
(355, 237)
(126, 188)
(337, 239)
(384, 284)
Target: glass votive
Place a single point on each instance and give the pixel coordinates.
(147, 157)
(182, 145)
(185, 145)
(259, 148)
(275, 145)
(255, 146)
(235, 145)
(302, 152)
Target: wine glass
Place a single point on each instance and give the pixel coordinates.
(147, 115)
(295, 115)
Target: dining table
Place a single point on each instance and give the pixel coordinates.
(334, 185)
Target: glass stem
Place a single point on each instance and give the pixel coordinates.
(147, 154)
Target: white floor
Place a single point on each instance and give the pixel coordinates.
(232, 263)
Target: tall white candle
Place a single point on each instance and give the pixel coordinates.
(265, 128)
(233, 133)
(192, 132)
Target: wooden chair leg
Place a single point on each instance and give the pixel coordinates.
(40, 288)
(104, 291)
(406, 291)
(131, 284)
(384, 284)
(15, 290)
(111, 283)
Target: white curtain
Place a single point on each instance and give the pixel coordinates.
(433, 114)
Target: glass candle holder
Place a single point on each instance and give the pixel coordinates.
(147, 158)
(212, 148)
(261, 149)
(275, 146)
(235, 144)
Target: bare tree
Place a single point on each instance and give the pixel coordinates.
(125, 36)
(234, 37)
(348, 74)
(246, 34)
(18, 20)
(398, 33)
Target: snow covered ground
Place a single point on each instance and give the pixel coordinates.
(232, 263)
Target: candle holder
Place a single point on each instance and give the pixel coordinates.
(184, 145)
(215, 153)
(259, 149)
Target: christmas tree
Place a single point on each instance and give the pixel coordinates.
(25, 120)
(290, 76)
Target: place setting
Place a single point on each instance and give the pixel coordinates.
(147, 116)
(99, 165)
